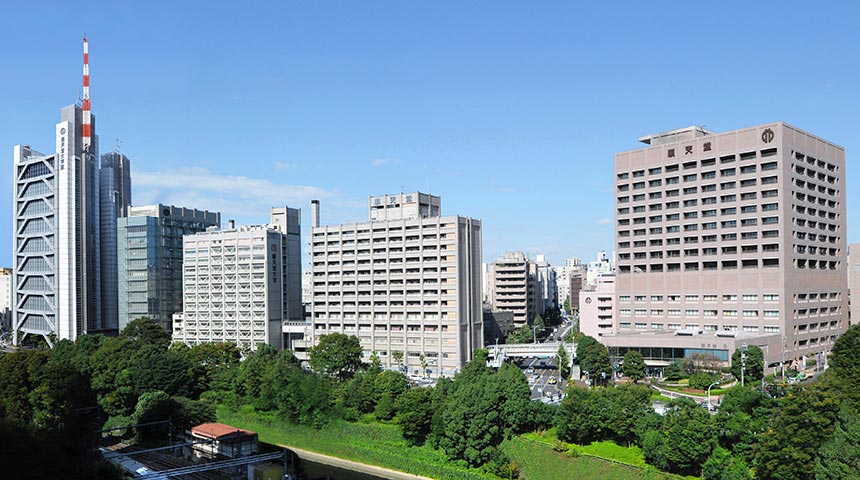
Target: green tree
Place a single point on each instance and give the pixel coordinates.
(154, 406)
(302, 397)
(753, 364)
(472, 426)
(576, 419)
(595, 361)
(686, 440)
(633, 365)
(567, 306)
(208, 361)
(61, 389)
(191, 413)
(563, 362)
(375, 361)
(513, 394)
(801, 423)
(143, 330)
(619, 409)
(359, 395)
(336, 355)
(153, 368)
(723, 466)
(523, 334)
(388, 386)
(422, 360)
(703, 380)
(415, 414)
(250, 378)
(845, 365)
(539, 324)
(839, 456)
(674, 371)
(744, 414)
(397, 356)
(19, 375)
(111, 378)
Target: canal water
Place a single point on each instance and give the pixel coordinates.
(314, 471)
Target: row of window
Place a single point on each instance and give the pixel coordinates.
(700, 266)
(381, 229)
(726, 237)
(746, 297)
(693, 177)
(695, 326)
(676, 312)
(694, 252)
(693, 227)
(695, 190)
(658, 218)
(691, 165)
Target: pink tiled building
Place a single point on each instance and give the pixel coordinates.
(726, 239)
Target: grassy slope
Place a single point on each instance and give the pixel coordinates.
(373, 444)
(538, 461)
(382, 445)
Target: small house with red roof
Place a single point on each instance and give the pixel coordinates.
(224, 441)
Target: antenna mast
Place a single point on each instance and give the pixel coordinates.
(86, 127)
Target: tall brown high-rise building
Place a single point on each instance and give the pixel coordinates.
(726, 239)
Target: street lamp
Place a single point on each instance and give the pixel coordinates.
(709, 394)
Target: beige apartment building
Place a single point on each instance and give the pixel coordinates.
(510, 281)
(726, 239)
(408, 280)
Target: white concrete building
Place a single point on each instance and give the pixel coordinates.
(237, 286)
(604, 265)
(5, 300)
(407, 281)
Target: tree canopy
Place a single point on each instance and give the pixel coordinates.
(336, 355)
(633, 365)
(753, 364)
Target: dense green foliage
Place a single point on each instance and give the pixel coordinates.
(597, 414)
(813, 431)
(336, 355)
(593, 358)
(633, 365)
(753, 364)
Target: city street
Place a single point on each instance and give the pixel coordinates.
(539, 371)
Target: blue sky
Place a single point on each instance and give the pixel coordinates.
(511, 111)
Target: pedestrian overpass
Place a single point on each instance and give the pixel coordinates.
(499, 353)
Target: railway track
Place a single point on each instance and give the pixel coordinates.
(160, 461)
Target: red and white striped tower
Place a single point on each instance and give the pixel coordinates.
(86, 127)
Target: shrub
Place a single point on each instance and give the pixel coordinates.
(701, 380)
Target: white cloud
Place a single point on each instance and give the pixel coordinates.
(379, 162)
(605, 221)
(240, 197)
(285, 166)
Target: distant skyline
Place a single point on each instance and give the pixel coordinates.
(511, 112)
